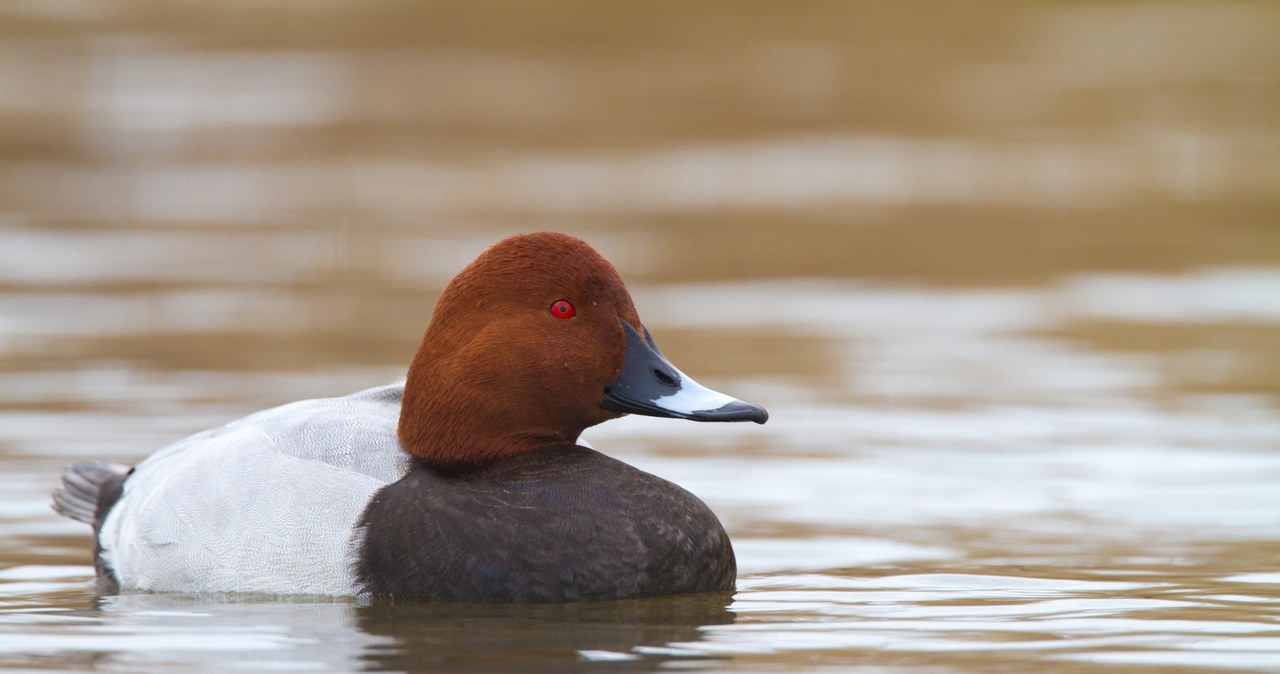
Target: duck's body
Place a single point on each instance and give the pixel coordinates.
(559, 523)
(464, 483)
(268, 503)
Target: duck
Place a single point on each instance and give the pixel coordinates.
(466, 481)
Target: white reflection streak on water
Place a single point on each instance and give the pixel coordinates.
(169, 96)
(900, 613)
(197, 634)
(792, 173)
(143, 87)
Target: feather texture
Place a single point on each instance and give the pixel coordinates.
(266, 504)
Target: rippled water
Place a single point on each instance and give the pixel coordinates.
(1008, 283)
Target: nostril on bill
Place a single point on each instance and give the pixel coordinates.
(665, 379)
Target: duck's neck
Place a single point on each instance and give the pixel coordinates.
(454, 418)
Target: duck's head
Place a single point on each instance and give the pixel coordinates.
(534, 341)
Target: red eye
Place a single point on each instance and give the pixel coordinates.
(562, 309)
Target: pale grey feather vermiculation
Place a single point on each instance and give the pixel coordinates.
(267, 503)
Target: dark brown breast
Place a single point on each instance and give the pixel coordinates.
(562, 523)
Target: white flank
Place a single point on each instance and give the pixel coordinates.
(267, 503)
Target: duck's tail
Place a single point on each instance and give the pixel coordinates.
(83, 484)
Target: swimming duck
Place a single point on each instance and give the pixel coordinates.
(466, 481)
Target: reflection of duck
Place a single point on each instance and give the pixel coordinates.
(252, 633)
(463, 484)
(450, 637)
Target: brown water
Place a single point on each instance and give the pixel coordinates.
(1006, 275)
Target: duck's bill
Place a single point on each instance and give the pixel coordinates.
(649, 384)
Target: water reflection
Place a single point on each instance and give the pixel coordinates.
(255, 633)
(630, 635)
(968, 616)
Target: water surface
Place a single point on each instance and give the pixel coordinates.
(1008, 282)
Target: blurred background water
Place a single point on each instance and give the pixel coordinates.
(1006, 274)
